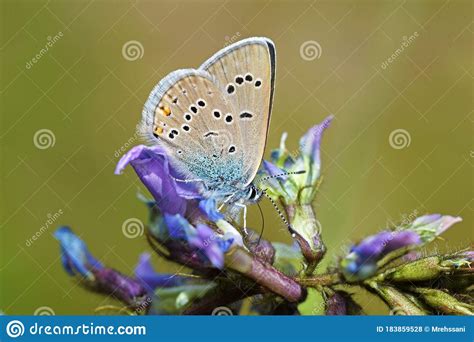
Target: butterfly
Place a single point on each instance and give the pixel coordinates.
(213, 121)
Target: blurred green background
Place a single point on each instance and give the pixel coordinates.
(89, 98)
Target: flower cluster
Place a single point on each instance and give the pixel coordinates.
(181, 214)
(361, 262)
(223, 266)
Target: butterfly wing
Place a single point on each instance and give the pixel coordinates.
(188, 115)
(245, 73)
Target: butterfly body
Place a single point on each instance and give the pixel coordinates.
(214, 120)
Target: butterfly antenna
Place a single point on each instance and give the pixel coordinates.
(282, 174)
(283, 218)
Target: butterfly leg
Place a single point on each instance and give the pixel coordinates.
(225, 202)
(245, 217)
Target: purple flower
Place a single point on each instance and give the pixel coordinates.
(152, 166)
(431, 226)
(361, 262)
(151, 279)
(78, 260)
(126, 289)
(200, 242)
(208, 207)
(75, 255)
(210, 244)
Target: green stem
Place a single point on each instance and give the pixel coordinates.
(264, 274)
(327, 279)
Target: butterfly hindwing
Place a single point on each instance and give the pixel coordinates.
(245, 74)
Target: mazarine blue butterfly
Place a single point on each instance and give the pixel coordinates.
(213, 121)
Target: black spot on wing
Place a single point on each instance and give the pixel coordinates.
(246, 115)
(208, 134)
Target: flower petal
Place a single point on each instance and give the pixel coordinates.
(75, 256)
(151, 279)
(152, 167)
(208, 207)
(428, 227)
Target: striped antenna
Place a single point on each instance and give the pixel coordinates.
(283, 218)
(281, 175)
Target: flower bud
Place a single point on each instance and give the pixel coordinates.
(444, 302)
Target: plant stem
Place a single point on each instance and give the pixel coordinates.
(220, 296)
(327, 279)
(264, 274)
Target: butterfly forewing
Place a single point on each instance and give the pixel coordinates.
(245, 73)
(194, 121)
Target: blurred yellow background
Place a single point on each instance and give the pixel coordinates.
(85, 94)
